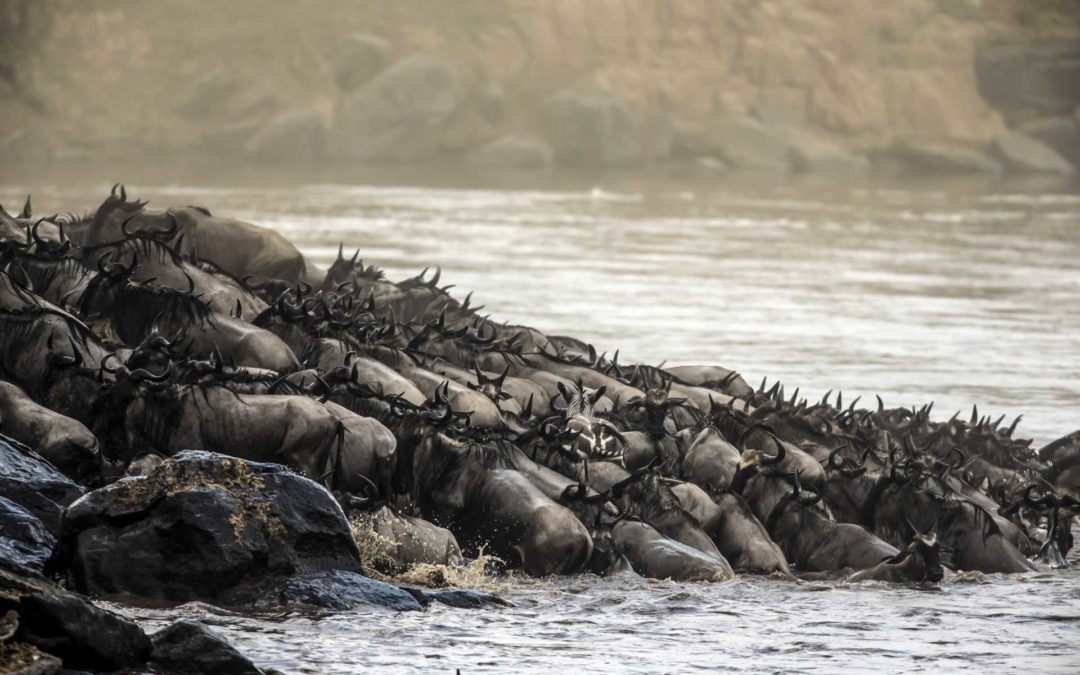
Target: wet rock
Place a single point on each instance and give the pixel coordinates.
(204, 526)
(939, 155)
(292, 135)
(84, 636)
(1021, 153)
(359, 58)
(517, 151)
(398, 115)
(24, 541)
(31, 482)
(591, 129)
(189, 647)
(459, 598)
(341, 590)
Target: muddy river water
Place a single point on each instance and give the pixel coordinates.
(957, 292)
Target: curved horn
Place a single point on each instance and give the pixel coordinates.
(781, 453)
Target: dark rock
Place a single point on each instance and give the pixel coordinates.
(23, 539)
(204, 526)
(31, 482)
(459, 598)
(189, 647)
(341, 590)
(1025, 81)
(1062, 133)
(591, 129)
(400, 114)
(359, 58)
(939, 156)
(1022, 153)
(517, 151)
(292, 135)
(70, 627)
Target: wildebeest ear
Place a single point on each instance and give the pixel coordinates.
(596, 395)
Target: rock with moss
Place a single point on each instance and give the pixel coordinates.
(205, 526)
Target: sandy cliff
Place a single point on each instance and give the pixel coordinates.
(803, 85)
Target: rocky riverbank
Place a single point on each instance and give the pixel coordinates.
(809, 86)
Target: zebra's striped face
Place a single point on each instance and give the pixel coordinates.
(595, 440)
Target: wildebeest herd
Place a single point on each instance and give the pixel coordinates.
(130, 334)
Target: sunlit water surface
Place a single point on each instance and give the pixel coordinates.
(958, 293)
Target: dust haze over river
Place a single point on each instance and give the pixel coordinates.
(948, 290)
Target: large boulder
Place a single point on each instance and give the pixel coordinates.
(516, 151)
(916, 154)
(1062, 133)
(61, 623)
(31, 482)
(296, 135)
(359, 58)
(400, 114)
(591, 129)
(24, 541)
(188, 647)
(204, 526)
(1022, 153)
(1025, 81)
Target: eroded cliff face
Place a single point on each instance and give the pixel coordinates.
(812, 85)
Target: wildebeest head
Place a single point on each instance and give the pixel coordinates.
(490, 386)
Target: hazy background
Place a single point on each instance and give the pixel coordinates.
(822, 86)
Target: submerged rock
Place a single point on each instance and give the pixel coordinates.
(341, 590)
(459, 598)
(28, 480)
(189, 647)
(204, 526)
(24, 541)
